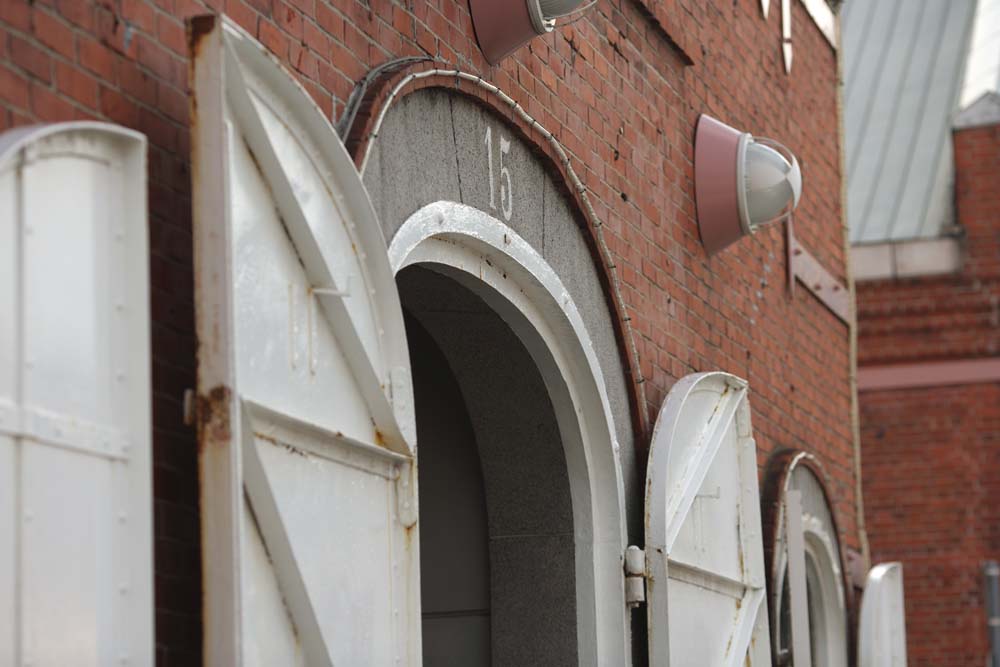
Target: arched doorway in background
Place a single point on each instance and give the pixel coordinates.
(796, 484)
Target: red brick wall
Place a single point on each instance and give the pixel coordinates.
(950, 317)
(932, 500)
(932, 455)
(617, 91)
(977, 196)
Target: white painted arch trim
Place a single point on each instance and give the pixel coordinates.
(821, 548)
(12, 141)
(502, 268)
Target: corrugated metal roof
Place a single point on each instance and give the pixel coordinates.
(903, 62)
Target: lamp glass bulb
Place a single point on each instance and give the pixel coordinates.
(772, 182)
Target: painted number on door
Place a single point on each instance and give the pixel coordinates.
(506, 193)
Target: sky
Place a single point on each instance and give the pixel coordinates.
(982, 71)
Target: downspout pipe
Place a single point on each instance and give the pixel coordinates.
(991, 574)
(852, 322)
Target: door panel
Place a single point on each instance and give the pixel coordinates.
(305, 404)
(704, 553)
(270, 634)
(75, 423)
(882, 626)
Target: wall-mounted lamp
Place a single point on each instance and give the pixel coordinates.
(740, 183)
(503, 27)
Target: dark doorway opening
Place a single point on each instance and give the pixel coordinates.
(497, 548)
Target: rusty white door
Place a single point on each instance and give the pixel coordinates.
(305, 405)
(76, 583)
(882, 626)
(704, 549)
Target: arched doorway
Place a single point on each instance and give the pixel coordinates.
(310, 448)
(796, 487)
(496, 539)
(537, 414)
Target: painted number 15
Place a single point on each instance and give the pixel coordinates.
(506, 194)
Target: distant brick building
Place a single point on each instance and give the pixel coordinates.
(922, 154)
(621, 90)
(929, 377)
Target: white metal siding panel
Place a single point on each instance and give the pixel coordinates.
(271, 635)
(866, 28)
(895, 117)
(903, 62)
(926, 200)
(75, 422)
(881, 117)
(67, 601)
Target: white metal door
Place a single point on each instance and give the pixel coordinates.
(704, 549)
(305, 405)
(76, 584)
(882, 626)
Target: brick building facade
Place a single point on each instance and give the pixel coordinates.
(930, 414)
(621, 89)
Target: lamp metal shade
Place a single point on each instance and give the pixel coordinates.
(740, 183)
(716, 153)
(503, 27)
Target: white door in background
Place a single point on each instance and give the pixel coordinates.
(704, 548)
(76, 581)
(882, 626)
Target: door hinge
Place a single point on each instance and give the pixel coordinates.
(401, 399)
(406, 494)
(635, 576)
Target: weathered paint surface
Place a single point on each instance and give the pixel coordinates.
(76, 562)
(704, 548)
(882, 627)
(305, 403)
(829, 595)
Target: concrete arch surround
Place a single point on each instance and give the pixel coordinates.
(431, 147)
(492, 261)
